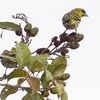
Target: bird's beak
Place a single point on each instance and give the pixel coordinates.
(86, 15)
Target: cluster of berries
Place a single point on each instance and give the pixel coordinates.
(68, 40)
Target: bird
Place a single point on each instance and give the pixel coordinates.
(72, 19)
(7, 62)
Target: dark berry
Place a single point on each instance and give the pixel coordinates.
(18, 32)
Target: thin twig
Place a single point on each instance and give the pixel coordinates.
(3, 77)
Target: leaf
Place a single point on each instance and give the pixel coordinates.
(13, 49)
(43, 80)
(36, 66)
(18, 73)
(20, 81)
(64, 96)
(36, 96)
(23, 54)
(42, 57)
(38, 63)
(44, 63)
(60, 89)
(7, 90)
(27, 89)
(48, 75)
(58, 66)
(34, 83)
(9, 58)
(9, 26)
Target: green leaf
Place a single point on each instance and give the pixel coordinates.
(7, 90)
(34, 83)
(23, 54)
(9, 26)
(43, 80)
(13, 49)
(20, 81)
(18, 73)
(58, 66)
(36, 66)
(36, 96)
(44, 63)
(60, 89)
(28, 97)
(38, 63)
(9, 58)
(42, 57)
(64, 96)
(27, 89)
(48, 75)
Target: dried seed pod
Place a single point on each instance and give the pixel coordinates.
(57, 43)
(73, 34)
(64, 51)
(63, 37)
(42, 50)
(70, 39)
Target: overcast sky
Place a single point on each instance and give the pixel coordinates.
(83, 64)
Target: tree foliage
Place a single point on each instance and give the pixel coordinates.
(27, 64)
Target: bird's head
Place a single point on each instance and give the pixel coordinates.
(80, 11)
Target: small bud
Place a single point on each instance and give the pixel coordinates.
(54, 38)
(18, 32)
(74, 45)
(45, 93)
(53, 90)
(79, 37)
(57, 43)
(60, 81)
(65, 76)
(34, 31)
(42, 50)
(28, 27)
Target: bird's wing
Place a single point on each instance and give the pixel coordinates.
(69, 16)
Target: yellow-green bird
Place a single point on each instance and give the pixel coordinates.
(72, 19)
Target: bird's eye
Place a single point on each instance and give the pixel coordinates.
(83, 11)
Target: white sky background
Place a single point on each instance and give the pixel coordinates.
(83, 64)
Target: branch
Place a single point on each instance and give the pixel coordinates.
(3, 77)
